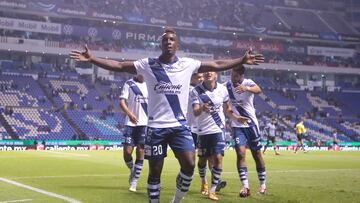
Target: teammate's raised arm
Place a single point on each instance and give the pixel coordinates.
(253, 89)
(221, 65)
(111, 65)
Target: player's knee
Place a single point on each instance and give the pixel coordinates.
(241, 154)
(201, 164)
(188, 169)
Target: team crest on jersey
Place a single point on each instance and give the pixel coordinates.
(149, 132)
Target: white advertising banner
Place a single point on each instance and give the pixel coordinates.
(30, 25)
(329, 51)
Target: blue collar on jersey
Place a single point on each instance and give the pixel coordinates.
(176, 60)
(240, 82)
(202, 84)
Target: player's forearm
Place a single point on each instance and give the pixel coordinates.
(255, 89)
(220, 65)
(124, 108)
(112, 65)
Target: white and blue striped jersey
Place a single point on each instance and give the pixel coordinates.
(168, 88)
(243, 104)
(213, 122)
(136, 95)
(191, 118)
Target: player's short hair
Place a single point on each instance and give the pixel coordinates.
(169, 30)
(240, 69)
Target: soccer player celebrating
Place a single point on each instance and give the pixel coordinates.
(196, 79)
(241, 94)
(209, 101)
(136, 95)
(300, 131)
(271, 135)
(168, 79)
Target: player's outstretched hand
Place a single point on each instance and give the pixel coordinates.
(81, 56)
(206, 107)
(133, 118)
(252, 59)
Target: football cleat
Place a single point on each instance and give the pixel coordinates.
(213, 196)
(204, 189)
(262, 190)
(244, 192)
(132, 188)
(220, 185)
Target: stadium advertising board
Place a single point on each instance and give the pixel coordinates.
(107, 33)
(11, 4)
(207, 25)
(330, 51)
(349, 38)
(110, 16)
(261, 46)
(73, 12)
(329, 36)
(296, 49)
(306, 35)
(142, 36)
(206, 41)
(278, 33)
(30, 25)
(158, 21)
(81, 145)
(183, 23)
(133, 18)
(231, 28)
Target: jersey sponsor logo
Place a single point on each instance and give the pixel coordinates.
(167, 88)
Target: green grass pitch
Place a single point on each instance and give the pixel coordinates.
(101, 176)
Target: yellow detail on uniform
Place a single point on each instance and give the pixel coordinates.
(300, 129)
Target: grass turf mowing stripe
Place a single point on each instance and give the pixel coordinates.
(68, 199)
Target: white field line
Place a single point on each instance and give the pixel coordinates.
(174, 173)
(17, 200)
(68, 199)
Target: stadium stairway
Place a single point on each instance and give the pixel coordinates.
(8, 128)
(103, 94)
(77, 130)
